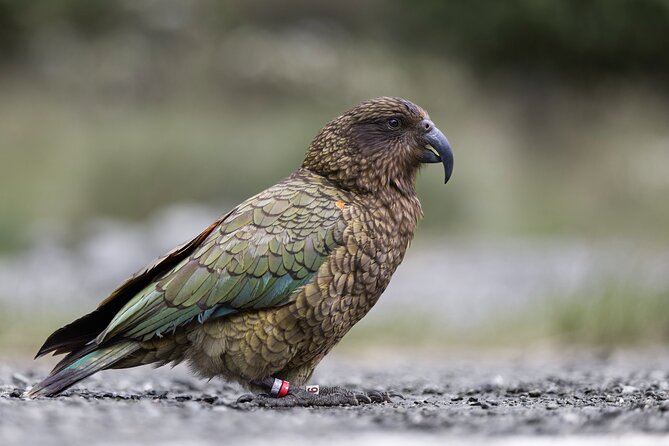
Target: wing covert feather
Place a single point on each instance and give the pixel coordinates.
(255, 258)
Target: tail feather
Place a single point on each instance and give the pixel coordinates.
(80, 365)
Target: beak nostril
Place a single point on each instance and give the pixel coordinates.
(427, 125)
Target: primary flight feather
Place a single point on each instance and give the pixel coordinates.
(264, 293)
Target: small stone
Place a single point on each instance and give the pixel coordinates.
(160, 395)
(480, 404)
(456, 398)
(432, 390)
(535, 393)
(210, 399)
(626, 390)
(552, 405)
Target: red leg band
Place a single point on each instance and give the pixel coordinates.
(283, 391)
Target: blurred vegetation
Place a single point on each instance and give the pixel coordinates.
(569, 38)
(609, 317)
(581, 40)
(557, 112)
(614, 316)
(22, 332)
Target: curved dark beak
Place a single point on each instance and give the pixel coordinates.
(437, 148)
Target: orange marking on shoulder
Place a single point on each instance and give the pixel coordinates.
(340, 204)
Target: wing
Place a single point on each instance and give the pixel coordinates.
(76, 335)
(256, 258)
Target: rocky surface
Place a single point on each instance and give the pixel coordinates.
(583, 396)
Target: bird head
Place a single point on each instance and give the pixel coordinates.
(379, 143)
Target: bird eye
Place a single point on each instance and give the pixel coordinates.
(394, 123)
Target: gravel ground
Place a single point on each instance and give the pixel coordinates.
(518, 399)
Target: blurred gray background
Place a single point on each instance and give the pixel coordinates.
(128, 126)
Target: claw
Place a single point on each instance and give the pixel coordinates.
(246, 398)
(362, 398)
(378, 397)
(383, 397)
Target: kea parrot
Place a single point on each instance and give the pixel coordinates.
(265, 292)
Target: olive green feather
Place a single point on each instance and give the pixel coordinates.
(231, 269)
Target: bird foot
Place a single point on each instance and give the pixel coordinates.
(327, 397)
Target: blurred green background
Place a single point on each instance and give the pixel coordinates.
(115, 113)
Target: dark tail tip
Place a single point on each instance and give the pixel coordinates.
(54, 384)
(76, 367)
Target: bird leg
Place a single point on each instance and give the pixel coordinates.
(281, 394)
